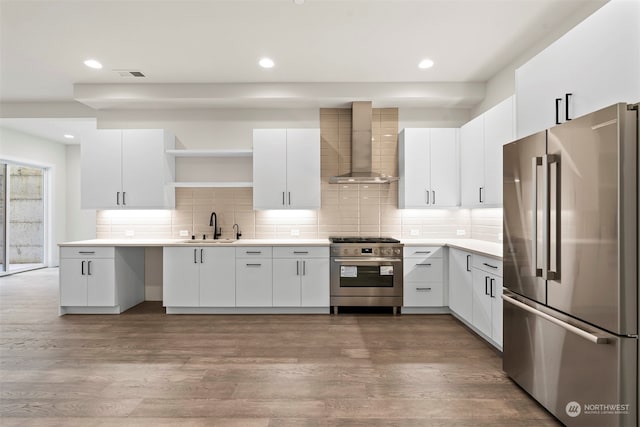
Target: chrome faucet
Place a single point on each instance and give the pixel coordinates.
(236, 231)
(213, 222)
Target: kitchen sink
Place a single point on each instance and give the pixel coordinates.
(210, 241)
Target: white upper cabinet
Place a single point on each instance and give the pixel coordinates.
(428, 166)
(286, 168)
(594, 65)
(127, 169)
(481, 142)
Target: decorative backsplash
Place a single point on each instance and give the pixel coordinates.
(364, 209)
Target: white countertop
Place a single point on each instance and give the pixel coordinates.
(472, 245)
(183, 242)
(478, 246)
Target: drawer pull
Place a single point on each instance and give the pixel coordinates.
(423, 289)
(300, 252)
(87, 252)
(253, 252)
(424, 265)
(254, 265)
(422, 252)
(490, 266)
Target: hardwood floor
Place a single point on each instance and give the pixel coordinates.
(145, 368)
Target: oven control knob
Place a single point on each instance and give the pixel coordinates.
(376, 251)
(397, 251)
(388, 252)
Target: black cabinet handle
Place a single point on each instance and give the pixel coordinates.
(82, 268)
(201, 258)
(486, 285)
(89, 268)
(468, 259)
(566, 105)
(195, 256)
(558, 101)
(118, 198)
(490, 266)
(124, 202)
(492, 295)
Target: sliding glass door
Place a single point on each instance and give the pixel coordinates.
(22, 217)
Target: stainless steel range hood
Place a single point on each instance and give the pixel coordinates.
(361, 145)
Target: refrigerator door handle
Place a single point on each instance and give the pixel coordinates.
(596, 339)
(547, 273)
(537, 272)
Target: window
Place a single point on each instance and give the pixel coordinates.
(22, 217)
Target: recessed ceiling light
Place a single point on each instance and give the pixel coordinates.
(425, 63)
(68, 136)
(266, 63)
(92, 63)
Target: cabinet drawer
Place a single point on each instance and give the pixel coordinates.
(423, 251)
(87, 252)
(488, 264)
(300, 252)
(423, 294)
(254, 252)
(419, 270)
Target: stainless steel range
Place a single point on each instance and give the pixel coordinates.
(366, 271)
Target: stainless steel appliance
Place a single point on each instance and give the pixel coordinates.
(366, 271)
(361, 149)
(571, 267)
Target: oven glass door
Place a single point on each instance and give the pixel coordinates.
(369, 276)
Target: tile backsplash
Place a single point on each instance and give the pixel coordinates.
(364, 209)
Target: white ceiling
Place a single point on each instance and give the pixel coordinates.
(215, 45)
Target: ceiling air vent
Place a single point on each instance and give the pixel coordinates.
(129, 73)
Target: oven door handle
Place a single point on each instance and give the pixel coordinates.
(356, 259)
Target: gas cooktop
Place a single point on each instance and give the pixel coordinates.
(356, 239)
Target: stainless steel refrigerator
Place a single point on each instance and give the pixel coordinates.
(571, 267)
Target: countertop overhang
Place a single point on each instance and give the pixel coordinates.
(472, 245)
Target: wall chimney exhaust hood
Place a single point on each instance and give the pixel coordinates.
(361, 149)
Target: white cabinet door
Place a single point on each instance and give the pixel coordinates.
(217, 277)
(482, 302)
(498, 130)
(73, 282)
(180, 277)
(254, 282)
(101, 282)
(414, 185)
(303, 168)
(101, 169)
(472, 161)
(461, 284)
(143, 168)
(269, 168)
(286, 282)
(315, 282)
(443, 167)
(496, 310)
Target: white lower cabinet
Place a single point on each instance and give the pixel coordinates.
(87, 282)
(198, 277)
(301, 277)
(423, 277)
(100, 279)
(254, 280)
(461, 283)
(475, 293)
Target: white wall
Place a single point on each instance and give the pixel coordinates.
(432, 117)
(81, 224)
(19, 147)
(212, 128)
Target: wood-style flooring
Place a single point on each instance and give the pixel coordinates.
(145, 368)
